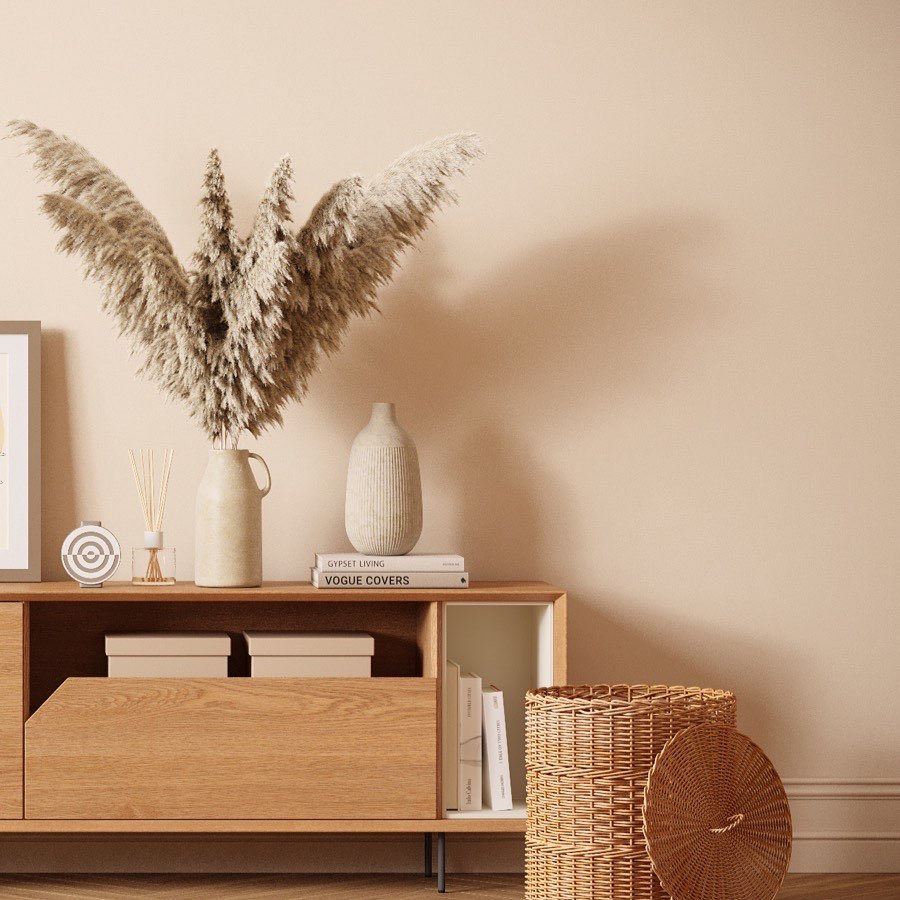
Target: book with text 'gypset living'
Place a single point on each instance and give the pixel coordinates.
(411, 562)
(370, 580)
(496, 790)
(470, 713)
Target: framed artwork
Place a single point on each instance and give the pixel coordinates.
(20, 451)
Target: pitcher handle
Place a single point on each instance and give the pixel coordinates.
(268, 486)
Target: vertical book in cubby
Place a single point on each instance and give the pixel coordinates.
(509, 645)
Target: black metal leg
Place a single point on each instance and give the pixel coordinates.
(442, 862)
(428, 872)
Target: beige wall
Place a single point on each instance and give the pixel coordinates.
(652, 356)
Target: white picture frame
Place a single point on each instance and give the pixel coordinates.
(20, 451)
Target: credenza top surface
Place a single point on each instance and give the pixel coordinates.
(293, 591)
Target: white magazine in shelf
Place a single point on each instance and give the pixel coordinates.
(496, 786)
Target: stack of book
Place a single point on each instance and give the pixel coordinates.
(476, 749)
(415, 570)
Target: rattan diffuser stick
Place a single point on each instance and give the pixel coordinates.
(153, 507)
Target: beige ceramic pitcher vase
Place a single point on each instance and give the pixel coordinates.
(229, 521)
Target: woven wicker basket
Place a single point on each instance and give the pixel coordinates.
(589, 751)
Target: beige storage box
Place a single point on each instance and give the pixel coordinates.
(323, 654)
(197, 655)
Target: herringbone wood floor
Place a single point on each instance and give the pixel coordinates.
(367, 887)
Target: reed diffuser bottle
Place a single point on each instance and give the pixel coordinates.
(154, 563)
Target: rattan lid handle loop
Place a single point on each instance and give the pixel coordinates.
(733, 822)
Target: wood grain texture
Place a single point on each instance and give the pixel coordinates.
(430, 643)
(560, 640)
(148, 828)
(11, 712)
(840, 887)
(290, 591)
(26, 663)
(163, 742)
(264, 748)
(429, 636)
(369, 887)
(256, 887)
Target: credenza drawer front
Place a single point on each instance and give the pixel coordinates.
(233, 748)
(11, 699)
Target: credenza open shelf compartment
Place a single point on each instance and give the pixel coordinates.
(509, 645)
(82, 752)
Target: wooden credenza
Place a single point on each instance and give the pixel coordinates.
(80, 752)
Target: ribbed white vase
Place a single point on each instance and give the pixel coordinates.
(383, 512)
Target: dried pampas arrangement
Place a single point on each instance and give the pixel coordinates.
(237, 335)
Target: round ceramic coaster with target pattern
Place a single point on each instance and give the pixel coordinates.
(91, 554)
(716, 818)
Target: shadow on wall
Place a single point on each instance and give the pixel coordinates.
(491, 381)
(58, 489)
(620, 641)
(523, 360)
(501, 487)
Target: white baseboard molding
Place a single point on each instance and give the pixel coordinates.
(842, 789)
(845, 825)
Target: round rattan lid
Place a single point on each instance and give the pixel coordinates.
(716, 818)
